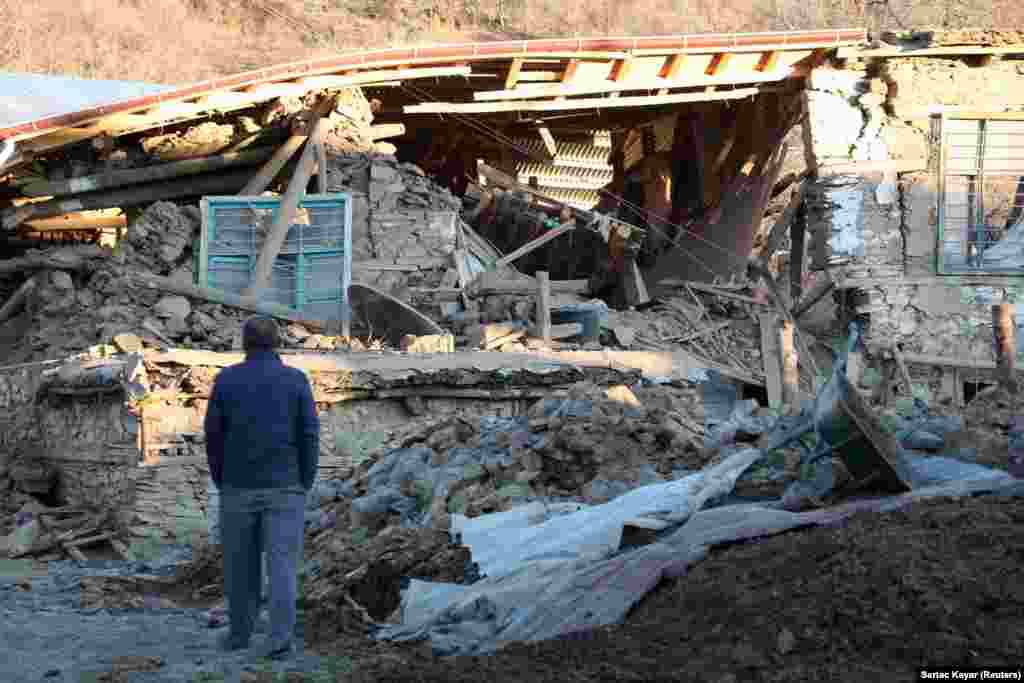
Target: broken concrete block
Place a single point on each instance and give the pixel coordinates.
(623, 394)
(428, 343)
(298, 331)
(127, 343)
(173, 307)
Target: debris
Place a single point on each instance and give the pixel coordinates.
(436, 343)
(496, 334)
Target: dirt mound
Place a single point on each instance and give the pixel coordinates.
(360, 578)
(938, 583)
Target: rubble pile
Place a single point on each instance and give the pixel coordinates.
(591, 446)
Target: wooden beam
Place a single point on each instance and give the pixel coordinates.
(383, 131)
(513, 73)
(570, 105)
(134, 176)
(535, 244)
(718, 64)
(192, 186)
(779, 229)
(311, 83)
(317, 140)
(670, 71)
(543, 306)
(816, 294)
(283, 218)
(521, 286)
(259, 182)
(542, 90)
(1004, 332)
(549, 141)
(78, 221)
(790, 369)
(857, 167)
(797, 232)
(771, 357)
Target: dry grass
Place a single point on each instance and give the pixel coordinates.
(182, 41)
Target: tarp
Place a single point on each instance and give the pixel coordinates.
(563, 574)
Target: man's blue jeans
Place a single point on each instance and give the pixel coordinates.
(254, 521)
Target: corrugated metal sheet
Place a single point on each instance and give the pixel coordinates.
(569, 154)
(29, 97)
(571, 178)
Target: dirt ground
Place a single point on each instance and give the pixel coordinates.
(940, 583)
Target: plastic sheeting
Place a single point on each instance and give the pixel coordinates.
(551, 571)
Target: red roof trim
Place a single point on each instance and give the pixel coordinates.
(463, 52)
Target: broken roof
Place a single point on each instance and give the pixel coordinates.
(25, 98)
(504, 76)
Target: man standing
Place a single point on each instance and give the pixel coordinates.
(263, 444)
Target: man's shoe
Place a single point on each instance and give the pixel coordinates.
(281, 653)
(230, 643)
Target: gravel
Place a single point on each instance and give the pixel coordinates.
(57, 641)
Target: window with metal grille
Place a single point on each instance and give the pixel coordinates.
(981, 194)
(311, 273)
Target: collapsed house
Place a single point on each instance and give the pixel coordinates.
(644, 241)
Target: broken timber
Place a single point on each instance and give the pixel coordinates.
(1006, 345)
(135, 176)
(283, 218)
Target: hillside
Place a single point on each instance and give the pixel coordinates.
(181, 41)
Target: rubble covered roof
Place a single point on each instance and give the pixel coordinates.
(484, 71)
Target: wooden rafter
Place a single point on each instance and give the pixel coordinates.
(656, 84)
(175, 112)
(567, 105)
(513, 73)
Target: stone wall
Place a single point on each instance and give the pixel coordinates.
(876, 231)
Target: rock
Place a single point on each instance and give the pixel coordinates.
(923, 441)
(623, 394)
(624, 335)
(786, 641)
(61, 281)
(430, 343)
(312, 342)
(127, 343)
(173, 307)
(297, 331)
(177, 326)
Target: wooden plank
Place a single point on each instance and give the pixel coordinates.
(535, 244)
(213, 183)
(636, 293)
(543, 306)
(521, 286)
(685, 80)
(771, 357)
(797, 232)
(317, 140)
(311, 83)
(1004, 331)
(782, 224)
(902, 367)
(383, 131)
(790, 367)
(858, 167)
(549, 141)
(283, 218)
(570, 105)
(135, 176)
(514, 71)
(259, 182)
(99, 220)
(817, 293)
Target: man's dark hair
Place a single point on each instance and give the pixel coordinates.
(260, 334)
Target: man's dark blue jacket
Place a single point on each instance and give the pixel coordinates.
(262, 429)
